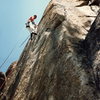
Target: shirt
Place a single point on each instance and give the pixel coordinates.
(31, 19)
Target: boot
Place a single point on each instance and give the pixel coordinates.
(34, 33)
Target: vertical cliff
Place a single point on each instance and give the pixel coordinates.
(62, 62)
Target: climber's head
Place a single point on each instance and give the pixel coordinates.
(35, 16)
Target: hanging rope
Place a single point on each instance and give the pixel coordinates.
(7, 57)
(24, 41)
(10, 53)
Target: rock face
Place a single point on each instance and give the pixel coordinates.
(62, 62)
(11, 69)
(92, 45)
(2, 81)
(89, 2)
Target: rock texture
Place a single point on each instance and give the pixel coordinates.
(11, 69)
(2, 81)
(62, 62)
(92, 45)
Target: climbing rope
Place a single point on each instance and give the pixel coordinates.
(24, 41)
(7, 58)
(10, 53)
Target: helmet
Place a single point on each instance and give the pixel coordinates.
(35, 16)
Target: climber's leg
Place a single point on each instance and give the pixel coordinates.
(32, 35)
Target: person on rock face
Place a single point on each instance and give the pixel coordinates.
(31, 26)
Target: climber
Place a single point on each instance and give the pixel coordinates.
(31, 26)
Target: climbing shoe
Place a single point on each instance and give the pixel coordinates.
(27, 26)
(35, 33)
